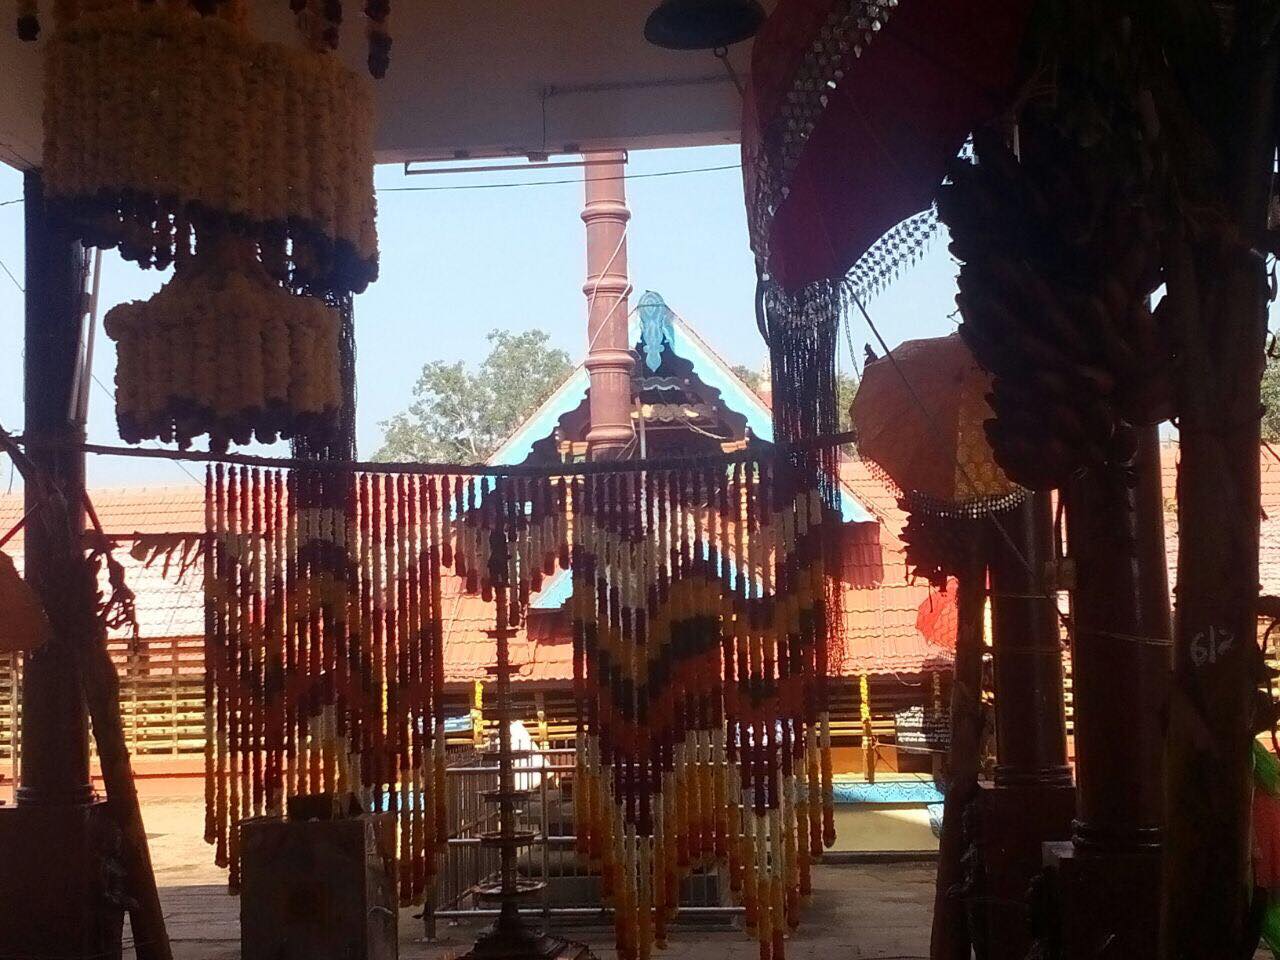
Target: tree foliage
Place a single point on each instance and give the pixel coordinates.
(846, 387)
(1271, 399)
(462, 415)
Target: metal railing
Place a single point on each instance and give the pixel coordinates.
(571, 891)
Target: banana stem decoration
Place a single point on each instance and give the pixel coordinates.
(1059, 254)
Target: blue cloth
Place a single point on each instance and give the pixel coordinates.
(887, 791)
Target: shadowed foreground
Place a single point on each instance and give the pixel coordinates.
(869, 911)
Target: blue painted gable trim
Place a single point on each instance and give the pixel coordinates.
(736, 395)
(555, 593)
(519, 445)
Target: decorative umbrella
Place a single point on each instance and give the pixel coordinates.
(23, 624)
(936, 617)
(853, 109)
(919, 416)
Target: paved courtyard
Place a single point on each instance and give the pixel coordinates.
(858, 912)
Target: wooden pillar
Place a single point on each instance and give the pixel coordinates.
(1031, 731)
(55, 843)
(1032, 800)
(55, 738)
(1218, 288)
(951, 936)
(608, 289)
(1109, 876)
(1122, 655)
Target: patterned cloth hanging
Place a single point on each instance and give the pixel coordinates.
(702, 622)
(852, 111)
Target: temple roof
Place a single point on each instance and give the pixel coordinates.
(684, 356)
(880, 612)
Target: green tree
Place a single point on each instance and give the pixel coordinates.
(461, 415)
(846, 387)
(752, 378)
(1271, 399)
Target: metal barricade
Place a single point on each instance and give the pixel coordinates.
(571, 890)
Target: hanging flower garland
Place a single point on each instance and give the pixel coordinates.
(320, 21)
(163, 126)
(702, 635)
(174, 135)
(223, 349)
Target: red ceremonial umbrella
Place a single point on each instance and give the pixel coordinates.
(853, 109)
(23, 623)
(937, 618)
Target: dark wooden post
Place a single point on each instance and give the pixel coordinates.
(1110, 874)
(55, 843)
(55, 734)
(1218, 290)
(1122, 654)
(1031, 731)
(1032, 800)
(951, 937)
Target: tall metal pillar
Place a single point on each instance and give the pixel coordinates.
(608, 288)
(55, 740)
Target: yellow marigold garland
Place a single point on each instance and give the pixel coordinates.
(162, 126)
(223, 349)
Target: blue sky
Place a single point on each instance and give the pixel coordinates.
(457, 263)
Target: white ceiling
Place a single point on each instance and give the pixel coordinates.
(470, 75)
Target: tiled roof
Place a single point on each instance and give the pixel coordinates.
(541, 650)
(1269, 546)
(1269, 542)
(879, 623)
(859, 477)
(168, 605)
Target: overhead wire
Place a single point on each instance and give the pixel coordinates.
(552, 183)
(9, 273)
(180, 465)
(527, 183)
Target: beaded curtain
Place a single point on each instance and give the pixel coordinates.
(701, 632)
(323, 658)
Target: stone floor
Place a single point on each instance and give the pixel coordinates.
(864, 911)
(875, 912)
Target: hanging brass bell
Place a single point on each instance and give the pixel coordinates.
(703, 24)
